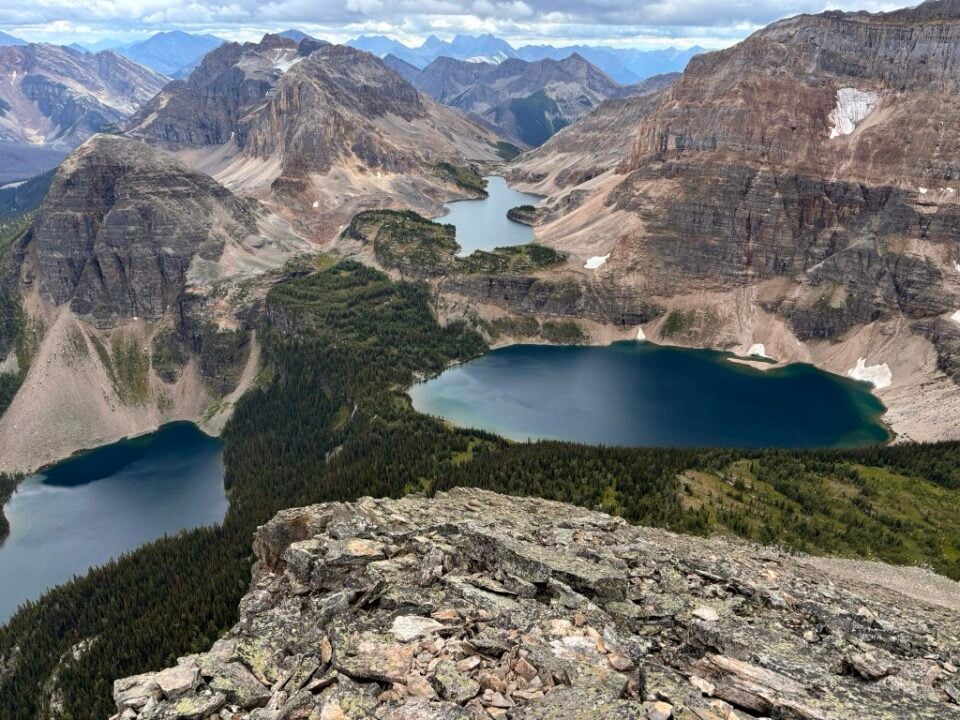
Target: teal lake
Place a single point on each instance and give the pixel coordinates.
(483, 224)
(641, 394)
(97, 505)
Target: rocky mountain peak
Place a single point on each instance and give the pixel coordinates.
(229, 82)
(528, 100)
(276, 119)
(124, 229)
(930, 9)
(474, 606)
(270, 40)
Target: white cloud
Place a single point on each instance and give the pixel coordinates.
(625, 23)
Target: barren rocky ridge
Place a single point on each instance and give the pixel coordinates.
(473, 605)
(56, 96)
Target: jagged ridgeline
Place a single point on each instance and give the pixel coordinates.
(329, 421)
(326, 131)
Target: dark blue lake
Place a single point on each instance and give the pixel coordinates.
(638, 393)
(102, 503)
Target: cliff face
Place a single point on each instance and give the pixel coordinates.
(473, 605)
(121, 225)
(812, 166)
(206, 108)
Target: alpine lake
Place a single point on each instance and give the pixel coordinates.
(99, 504)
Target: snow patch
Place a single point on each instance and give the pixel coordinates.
(758, 350)
(878, 375)
(596, 261)
(956, 316)
(853, 106)
(957, 266)
(11, 186)
(11, 365)
(640, 334)
(316, 203)
(923, 191)
(286, 64)
(494, 59)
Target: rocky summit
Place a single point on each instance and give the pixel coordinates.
(473, 605)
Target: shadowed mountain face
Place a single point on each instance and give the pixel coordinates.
(121, 225)
(528, 100)
(401, 67)
(57, 97)
(125, 278)
(124, 230)
(812, 166)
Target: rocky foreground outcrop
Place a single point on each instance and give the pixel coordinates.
(476, 605)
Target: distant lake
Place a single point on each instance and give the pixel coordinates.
(641, 394)
(483, 224)
(102, 503)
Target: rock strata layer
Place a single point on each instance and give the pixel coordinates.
(473, 605)
(798, 189)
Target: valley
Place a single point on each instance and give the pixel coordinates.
(333, 330)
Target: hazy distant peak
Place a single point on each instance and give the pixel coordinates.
(7, 40)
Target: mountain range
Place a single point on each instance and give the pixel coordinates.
(327, 127)
(52, 98)
(822, 227)
(171, 53)
(529, 101)
(624, 65)
(250, 248)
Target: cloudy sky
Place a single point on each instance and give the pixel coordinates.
(634, 23)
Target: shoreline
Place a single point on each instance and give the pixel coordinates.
(8, 486)
(9, 483)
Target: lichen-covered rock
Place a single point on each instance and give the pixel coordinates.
(473, 606)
